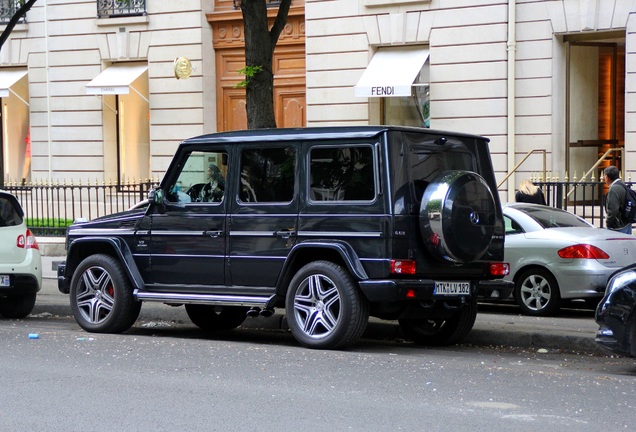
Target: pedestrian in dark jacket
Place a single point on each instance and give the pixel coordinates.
(529, 193)
(614, 200)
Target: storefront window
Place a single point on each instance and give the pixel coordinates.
(411, 110)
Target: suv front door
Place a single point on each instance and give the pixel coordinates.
(189, 231)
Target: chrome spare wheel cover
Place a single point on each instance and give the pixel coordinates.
(457, 216)
(317, 306)
(95, 295)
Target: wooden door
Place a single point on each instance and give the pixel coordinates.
(288, 67)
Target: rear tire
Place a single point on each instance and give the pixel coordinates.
(440, 331)
(17, 306)
(101, 296)
(325, 308)
(216, 318)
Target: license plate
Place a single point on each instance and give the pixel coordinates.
(452, 288)
(5, 280)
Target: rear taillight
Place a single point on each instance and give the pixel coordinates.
(402, 266)
(27, 241)
(499, 269)
(582, 251)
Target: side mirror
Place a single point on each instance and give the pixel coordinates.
(156, 196)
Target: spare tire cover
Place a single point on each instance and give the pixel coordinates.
(457, 216)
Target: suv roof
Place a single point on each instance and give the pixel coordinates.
(314, 133)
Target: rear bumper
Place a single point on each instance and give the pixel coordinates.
(24, 277)
(397, 289)
(21, 284)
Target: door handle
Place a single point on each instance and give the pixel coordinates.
(285, 233)
(213, 234)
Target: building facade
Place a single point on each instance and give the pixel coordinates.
(539, 77)
(90, 91)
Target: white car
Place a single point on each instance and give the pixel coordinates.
(20, 261)
(555, 255)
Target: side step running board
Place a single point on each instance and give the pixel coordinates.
(210, 299)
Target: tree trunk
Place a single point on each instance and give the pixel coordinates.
(260, 42)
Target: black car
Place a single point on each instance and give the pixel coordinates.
(334, 224)
(616, 314)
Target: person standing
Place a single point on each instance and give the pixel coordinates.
(529, 193)
(614, 200)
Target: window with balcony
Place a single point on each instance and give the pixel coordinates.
(8, 8)
(120, 8)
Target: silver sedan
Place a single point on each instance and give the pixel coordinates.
(555, 255)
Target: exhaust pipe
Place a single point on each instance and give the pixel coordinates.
(253, 313)
(267, 312)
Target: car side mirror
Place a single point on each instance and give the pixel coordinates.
(156, 196)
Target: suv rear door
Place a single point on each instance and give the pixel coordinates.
(263, 218)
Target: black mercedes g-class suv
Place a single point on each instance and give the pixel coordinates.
(334, 224)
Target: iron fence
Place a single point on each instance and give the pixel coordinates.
(51, 208)
(585, 199)
(120, 8)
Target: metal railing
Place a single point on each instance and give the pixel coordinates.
(512, 171)
(120, 8)
(8, 8)
(583, 198)
(50, 208)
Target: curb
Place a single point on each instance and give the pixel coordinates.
(483, 334)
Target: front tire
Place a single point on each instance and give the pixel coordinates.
(325, 309)
(17, 306)
(216, 318)
(440, 331)
(537, 292)
(101, 296)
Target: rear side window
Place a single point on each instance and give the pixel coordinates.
(341, 173)
(10, 215)
(428, 159)
(267, 175)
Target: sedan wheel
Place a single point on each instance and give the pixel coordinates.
(101, 296)
(537, 292)
(324, 307)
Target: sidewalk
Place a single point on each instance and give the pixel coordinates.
(573, 332)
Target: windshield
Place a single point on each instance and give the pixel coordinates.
(549, 217)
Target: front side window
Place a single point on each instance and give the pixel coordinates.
(267, 175)
(202, 179)
(341, 173)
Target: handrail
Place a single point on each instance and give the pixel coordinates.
(598, 162)
(522, 161)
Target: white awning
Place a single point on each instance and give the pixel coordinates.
(8, 77)
(391, 72)
(116, 79)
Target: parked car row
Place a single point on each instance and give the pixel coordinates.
(359, 239)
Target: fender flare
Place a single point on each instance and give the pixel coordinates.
(343, 249)
(83, 247)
